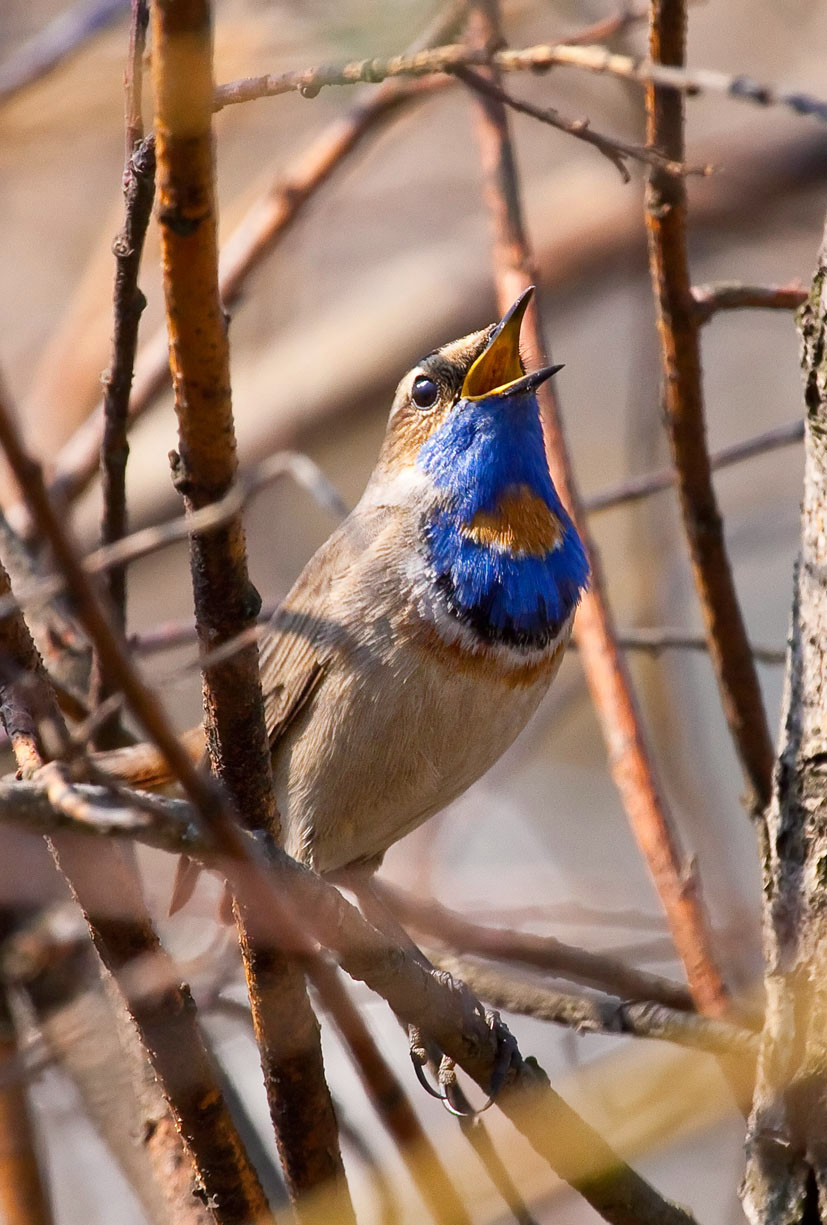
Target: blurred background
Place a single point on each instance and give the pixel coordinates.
(390, 258)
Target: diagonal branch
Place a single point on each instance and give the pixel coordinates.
(678, 322)
(462, 935)
(595, 1015)
(615, 150)
(440, 1007)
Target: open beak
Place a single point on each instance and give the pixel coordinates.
(498, 370)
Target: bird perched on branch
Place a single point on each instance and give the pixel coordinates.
(420, 638)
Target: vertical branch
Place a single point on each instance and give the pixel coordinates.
(108, 890)
(225, 602)
(786, 1176)
(24, 1199)
(678, 325)
(129, 302)
(630, 760)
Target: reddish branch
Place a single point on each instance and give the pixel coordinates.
(733, 295)
(606, 672)
(678, 323)
(23, 1196)
(226, 604)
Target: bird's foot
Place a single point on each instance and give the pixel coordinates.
(449, 1090)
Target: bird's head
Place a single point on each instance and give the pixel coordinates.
(465, 425)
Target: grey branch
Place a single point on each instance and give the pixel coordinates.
(310, 81)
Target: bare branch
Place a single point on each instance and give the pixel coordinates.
(615, 150)
(683, 397)
(734, 295)
(129, 302)
(226, 604)
(636, 487)
(589, 1014)
(440, 1007)
(631, 764)
(436, 922)
(310, 81)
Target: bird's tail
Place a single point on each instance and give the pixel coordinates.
(145, 767)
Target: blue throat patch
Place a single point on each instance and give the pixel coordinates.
(487, 455)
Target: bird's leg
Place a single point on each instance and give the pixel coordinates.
(425, 1053)
(360, 881)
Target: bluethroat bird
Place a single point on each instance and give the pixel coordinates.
(420, 638)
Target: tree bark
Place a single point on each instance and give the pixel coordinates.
(786, 1178)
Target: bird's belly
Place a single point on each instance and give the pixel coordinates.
(382, 748)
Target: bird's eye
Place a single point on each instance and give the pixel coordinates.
(425, 392)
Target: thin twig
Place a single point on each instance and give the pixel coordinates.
(59, 39)
(615, 150)
(436, 1004)
(206, 519)
(734, 295)
(678, 323)
(634, 488)
(226, 605)
(630, 759)
(310, 81)
(129, 303)
(435, 922)
(589, 1014)
(662, 638)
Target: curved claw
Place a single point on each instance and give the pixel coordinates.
(419, 1059)
(455, 1101)
(423, 1079)
(507, 1050)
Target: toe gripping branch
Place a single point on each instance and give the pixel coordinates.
(424, 1054)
